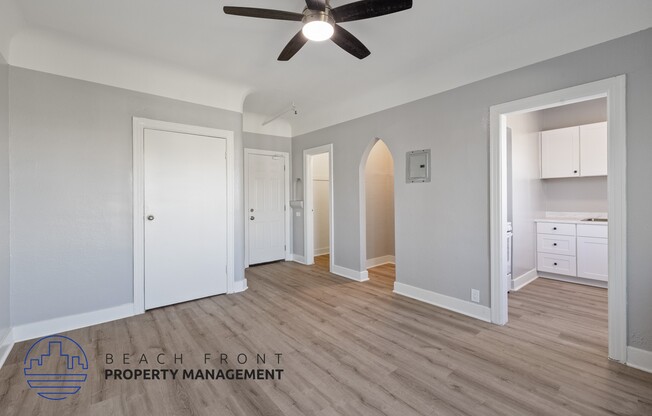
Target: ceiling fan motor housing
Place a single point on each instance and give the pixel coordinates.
(318, 16)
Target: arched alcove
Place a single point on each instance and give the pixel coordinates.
(377, 206)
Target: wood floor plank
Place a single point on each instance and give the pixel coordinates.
(352, 348)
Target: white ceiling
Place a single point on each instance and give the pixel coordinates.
(437, 45)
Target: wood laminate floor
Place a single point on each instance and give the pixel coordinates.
(356, 349)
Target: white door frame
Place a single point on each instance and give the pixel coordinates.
(288, 212)
(139, 126)
(309, 221)
(614, 90)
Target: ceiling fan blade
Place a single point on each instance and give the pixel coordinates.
(349, 43)
(319, 5)
(295, 44)
(263, 13)
(369, 8)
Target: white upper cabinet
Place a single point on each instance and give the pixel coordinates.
(593, 149)
(574, 151)
(560, 153)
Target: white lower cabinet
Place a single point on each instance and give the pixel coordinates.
(577, 250)
(556, 244)
(557, 263)
(593, 258)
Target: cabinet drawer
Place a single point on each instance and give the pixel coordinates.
(556, 244)
(556, 228)
(598, 231)
(557, 263)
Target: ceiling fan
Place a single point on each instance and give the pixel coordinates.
(320, 22)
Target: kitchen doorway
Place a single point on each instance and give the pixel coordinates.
(613, 90)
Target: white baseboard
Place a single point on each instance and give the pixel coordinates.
(240, 286)
(350, 274)
(322, 251)
(298, 259)
(524, 280)
(473, 310)
(379, 261)
(573, 279)
(68, 323)
(639, 359)
(6, 344)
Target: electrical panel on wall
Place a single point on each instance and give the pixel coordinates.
(417, 166)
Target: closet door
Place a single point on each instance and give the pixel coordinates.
(185, 217)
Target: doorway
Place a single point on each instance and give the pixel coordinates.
(267, 211)
(183, 213)
(377, 203)
(318, 174)
(613, 90)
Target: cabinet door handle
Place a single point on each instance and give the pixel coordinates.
(554, 264)
(554, 244)
(554, 228)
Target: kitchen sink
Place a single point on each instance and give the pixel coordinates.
(595, 220)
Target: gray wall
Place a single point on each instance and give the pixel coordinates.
(379, 190)
(266, 142)
(5, 303)
(577, 194)
(442, 227)
(586, 112)
(71, 181)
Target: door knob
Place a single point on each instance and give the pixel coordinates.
(252, 218)
(150, 217)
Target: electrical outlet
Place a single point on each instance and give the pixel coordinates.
(298, 214)
(475, 295)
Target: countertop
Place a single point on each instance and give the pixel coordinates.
(566, 220)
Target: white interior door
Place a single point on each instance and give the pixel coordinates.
(266, 210)
(185, 217)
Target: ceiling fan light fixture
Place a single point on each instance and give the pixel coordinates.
(318, 30)
(318, 27)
